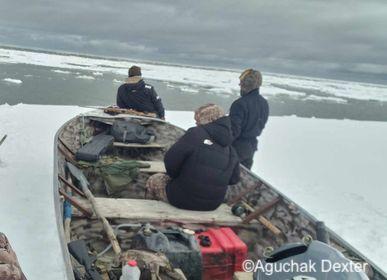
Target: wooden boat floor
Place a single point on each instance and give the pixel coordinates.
(155, 167)
(137, 145)
(144, 210)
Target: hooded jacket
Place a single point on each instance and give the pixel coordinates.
(139, 96)
(202, 163)
(248, 116)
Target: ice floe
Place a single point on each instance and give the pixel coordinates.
(117, 81)
(12, 81)
(85, 77)
(222, 81)
(60, 71)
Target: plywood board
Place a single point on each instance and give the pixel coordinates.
(154, 167)
(151, 210)
(137, 145)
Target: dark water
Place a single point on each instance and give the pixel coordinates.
(43, 86)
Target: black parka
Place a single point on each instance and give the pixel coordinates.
(202, 163)
(248, 116)
(141, 97)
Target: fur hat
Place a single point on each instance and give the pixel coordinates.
(134, 71)
(208, 113)
(250, 79)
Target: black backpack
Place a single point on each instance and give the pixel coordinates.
(129, 132)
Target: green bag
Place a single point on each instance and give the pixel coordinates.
(117, 173)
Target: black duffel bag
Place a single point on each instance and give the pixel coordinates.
(129, 132)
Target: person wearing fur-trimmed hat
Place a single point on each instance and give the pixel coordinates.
(140, 96)
(200, 165)
(248, 116)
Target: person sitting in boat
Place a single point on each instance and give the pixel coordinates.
(137, 95)
(248, 116)
(200, 165)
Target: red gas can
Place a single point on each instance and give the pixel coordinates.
(223, 253)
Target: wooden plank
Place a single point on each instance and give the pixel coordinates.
(117, 111)
(69, 157)
(261, 210)
(269, 225)
(157, 211)
(243, 276)
(65, 145)
(3, 139)
(137, 145)
(98, 113)
(106, 225)
(154, 167)
(75, 202)
(78, 174)
(245, 192)
(102, 120)
(71, 186)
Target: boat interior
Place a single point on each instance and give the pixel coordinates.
(261, 217)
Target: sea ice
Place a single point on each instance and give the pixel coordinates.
(223, 81)
(85, 77)
(13, 81)
(60, 71)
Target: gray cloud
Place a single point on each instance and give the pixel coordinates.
(335, 39)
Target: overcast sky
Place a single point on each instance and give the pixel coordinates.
(338, 39)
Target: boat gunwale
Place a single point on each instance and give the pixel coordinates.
(57, 206)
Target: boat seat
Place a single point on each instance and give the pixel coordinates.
(138, 145)
(154, 167)
(143, 210)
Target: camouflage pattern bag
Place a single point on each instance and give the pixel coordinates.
(153, 266)
(9, 265)
(117, 173)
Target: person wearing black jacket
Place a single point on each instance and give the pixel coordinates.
(137, 95)
(200, 165)
(248, 115)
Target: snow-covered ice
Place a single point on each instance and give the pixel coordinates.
(117, 81)
(98, 74)
(27, 214)
(327, 99)
(189, 89)
(12, 81)
(221, 81)
(60, 71)
(85, 77)
(336, 170)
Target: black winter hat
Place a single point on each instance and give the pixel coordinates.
(134, 71)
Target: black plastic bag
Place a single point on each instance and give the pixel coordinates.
(129, 132)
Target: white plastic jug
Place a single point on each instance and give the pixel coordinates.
(130, 271)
